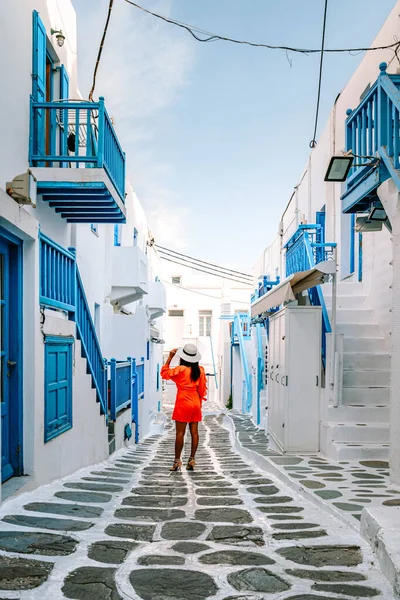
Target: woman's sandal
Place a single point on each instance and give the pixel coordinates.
(176, 466)
(191, 464)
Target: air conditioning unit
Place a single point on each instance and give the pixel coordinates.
(23, 189)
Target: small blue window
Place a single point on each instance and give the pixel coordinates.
(117, 235)
(95, 228)
(58, 386)
(135, 236)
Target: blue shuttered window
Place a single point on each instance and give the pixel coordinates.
(58, 386)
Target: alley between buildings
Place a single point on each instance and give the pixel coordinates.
(130, 529)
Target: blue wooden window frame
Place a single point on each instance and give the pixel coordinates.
(117, 234)
(58, 386)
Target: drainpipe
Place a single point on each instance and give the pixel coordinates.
(334, 359)
(309, 189)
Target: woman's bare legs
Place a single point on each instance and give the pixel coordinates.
(179, 439)
(194, 432)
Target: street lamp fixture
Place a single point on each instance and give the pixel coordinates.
(60, 37)
(377, 213)
(338, 168)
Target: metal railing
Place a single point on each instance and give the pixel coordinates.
(121, 376)
(76, 134)
(91, 348)
(304, 251)
(238, 332)
(373, 128)
(57, 275)
(264, 286)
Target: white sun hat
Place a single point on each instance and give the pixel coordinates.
(189, 353)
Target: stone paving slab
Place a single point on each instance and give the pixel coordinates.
(341, 484)
(225, 532)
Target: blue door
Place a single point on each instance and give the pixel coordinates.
(10, 349)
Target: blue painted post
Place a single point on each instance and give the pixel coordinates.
(73, 283)
(382, 109)
(105, 384)
(101, 126)
(135, 399)
(113, 388)
(143, 363)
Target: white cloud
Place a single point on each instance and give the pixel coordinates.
(144, 67)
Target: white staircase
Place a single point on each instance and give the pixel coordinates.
(359, 428)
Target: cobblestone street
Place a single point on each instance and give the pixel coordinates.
(130, 529)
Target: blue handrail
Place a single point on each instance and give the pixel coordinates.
(90, 344)
(237, 331)
(260, 370)
(304, 250)
(120, 386)
(69, 133)
(57, 275)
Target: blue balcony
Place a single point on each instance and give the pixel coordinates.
(372, 130)
(77, 160)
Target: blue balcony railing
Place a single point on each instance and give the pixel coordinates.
(77, 134)
(264, 286)
(304, 251)
(121, 379)
(372, 130)
(57, 275)
(137, 392)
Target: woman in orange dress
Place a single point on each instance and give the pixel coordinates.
(190, 380)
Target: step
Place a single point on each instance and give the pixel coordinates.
(366, 379)
(354, 315)
(364, 344)
(345, 302)
(341, 451)
(359, 330)
(366, 396)
(366, 361)
(359, 413)
(364, 433)
(344, 288)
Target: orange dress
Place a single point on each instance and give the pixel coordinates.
(190, 394)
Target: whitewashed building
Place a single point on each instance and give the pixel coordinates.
(354, 223)
(80, 282)
(200, 308)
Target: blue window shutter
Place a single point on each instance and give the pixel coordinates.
(39, 59)
(64, 83)
(58, 386)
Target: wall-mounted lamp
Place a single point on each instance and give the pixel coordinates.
(377, 213)
(60, 37)
(338, 168)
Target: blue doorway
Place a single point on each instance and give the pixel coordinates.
(11, 355)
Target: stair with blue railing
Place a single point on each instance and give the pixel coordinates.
(61, 288)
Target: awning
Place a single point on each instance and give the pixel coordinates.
(294, 284)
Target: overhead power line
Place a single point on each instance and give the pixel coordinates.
(208, 272)
(110, 7)
(181, 287)
(212, 37)
(190, 265)
(197, 260)
(313, 142)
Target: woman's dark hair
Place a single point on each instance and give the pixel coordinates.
(195, 374)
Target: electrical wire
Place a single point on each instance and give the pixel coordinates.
(181, 287)
(208, 272)
(110, 7)
(313, 142)
(197, 260)
(183, 262)
(212, 37)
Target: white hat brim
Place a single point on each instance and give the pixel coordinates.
(187, 358)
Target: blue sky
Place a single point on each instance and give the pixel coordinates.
(217, 134)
